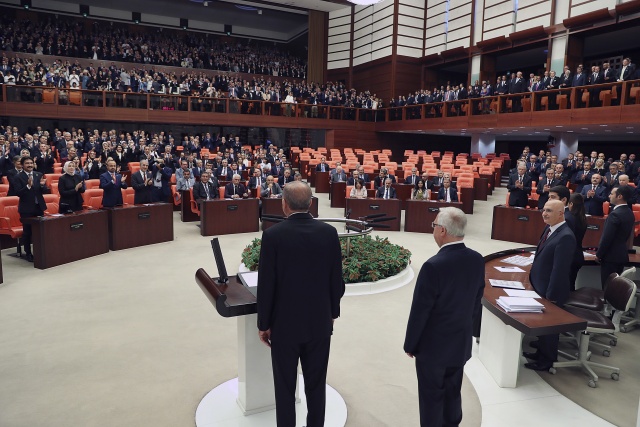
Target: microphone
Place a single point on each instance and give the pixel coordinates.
(375, 216)
(352, 228)
(379, 225)
(348, 214)
(391, 218)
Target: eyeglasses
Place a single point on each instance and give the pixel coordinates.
(435, 224)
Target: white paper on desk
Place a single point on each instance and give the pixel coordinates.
(522, 294)
(513, 284)
(250, 279)
(510, 269)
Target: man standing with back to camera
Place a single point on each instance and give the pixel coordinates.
(446, 303)
(299, 294)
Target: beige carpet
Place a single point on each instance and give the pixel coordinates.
(129, 339)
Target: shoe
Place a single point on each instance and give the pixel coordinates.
(29, 257)
(537, 366)
(531, 356)
(533, 344)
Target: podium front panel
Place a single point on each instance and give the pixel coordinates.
(517, 225)
(403, 193)
(59, 240)
(140, 225)
(364, 207)
(419, 214)
(219, 217)
(186, 214)
(338, 194)
(322, 182)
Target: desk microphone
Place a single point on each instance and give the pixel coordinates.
(378, 215)
(391, 218)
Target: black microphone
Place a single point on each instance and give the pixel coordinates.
(379, 225)
(348, 214)
(352, 228)
(375, 216)
(391, 218)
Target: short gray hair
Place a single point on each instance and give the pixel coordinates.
(453, 220)
(297, 195)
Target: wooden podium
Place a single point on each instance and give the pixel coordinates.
(419, 214)
(228, 216)
(322, 182)
(338, 194)
(389, 207)
(186, 214)
(140, 225)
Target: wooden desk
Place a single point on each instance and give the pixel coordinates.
(63, 239)
(467, 195)
(491, 179)
(140, 225)
(363, 207)
(481, 188)
(274, 207)
(228, 216)
(338, 194)
(322, 182)
(419, 214)
(403, 193)
(526, 225)
(501, 332)
(186, 214)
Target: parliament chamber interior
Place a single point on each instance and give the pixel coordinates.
(154, 127)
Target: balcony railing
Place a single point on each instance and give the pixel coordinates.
(595, 96)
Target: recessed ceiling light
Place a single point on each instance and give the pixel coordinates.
(547, 129)
(569, 131)
(608, 130)
(537, 132)
(558, 126)
(584, 128)
(521, 127)
(629, 132)
(604, 126)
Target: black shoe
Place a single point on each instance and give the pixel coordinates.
(537, 366)
(29, 257)
(531, 356)
(533, 344)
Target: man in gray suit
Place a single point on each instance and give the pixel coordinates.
(270, 188)
(338, 175)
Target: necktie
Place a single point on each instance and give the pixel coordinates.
(386, 193)
(544, 238)
(234, 190)
(549, 182)
(593, 187)
(323, 168)
(206, 190)
(113, 177)
(448, 192)
(224, 171)
(520, 178)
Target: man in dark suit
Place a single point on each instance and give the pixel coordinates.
(612, 250)
(362, 175)
(386, 191)
(224, 172)
(44, 161)
(338, 175)
(270, 189)
(413, 178)
(297, 321)
(549, 276)
(142, 184)
(519, 187)
(382, 176)
(562, 193)
(594, 195)
(437, 181)
(12, 174)
(583, 176)
(206, 188)
(286, 178)
(112, 183)
(235, 190)
(29, 187)
(544, 186)
(518, 85)
(439, 333)
(553, 83)
(256, 180)
(161, 174)
(628, 70)
(322, 166)
(533, 168)
(447, 193)
(611, 178)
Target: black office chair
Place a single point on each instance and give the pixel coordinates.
(619, 292)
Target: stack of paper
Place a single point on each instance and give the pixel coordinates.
(512, 284)
(519, 260)
(520, 305)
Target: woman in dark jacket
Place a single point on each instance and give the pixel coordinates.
(71, 187)
(576, 207)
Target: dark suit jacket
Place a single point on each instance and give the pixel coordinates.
(319, 167)
(412, 179)
(11, 176)
(45, 165)
(199, 192)
(579, 80)
(377, 182)
(518, 86)
(436, 181)
(549, 273)
(453, 194)
(228, 190)
(544, 196)
(68, 194)
(612, 182)
(226, 177)
(380, 193)
(112, 195)
(165, 178)
(253, 182)
(282, 181)
(293, 310)
(613, 242)
(519, 197)
(275, 190)
(31, 201)
(578, 233)
(446, 302)
(593, 205)
(582, 178)
(143, 193)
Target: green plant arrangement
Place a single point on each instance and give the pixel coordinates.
(370, 260)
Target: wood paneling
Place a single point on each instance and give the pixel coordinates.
(407, 78)
(317, 57)
(374, 75)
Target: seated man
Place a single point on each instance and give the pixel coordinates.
(386, 191)
(447, 193)
(363, 176)
(413, 178)
(224, 172)
(438, 180)
(205, 189)
(297, 176)
(270, 189)
(355, 176)
(187, 181)
(235, 190)
(256, 180)
(338, 175)
(286, 178)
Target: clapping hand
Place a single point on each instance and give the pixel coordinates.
(30, 181)
(43, 181)
(79, 186)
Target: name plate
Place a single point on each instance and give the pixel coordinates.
(523, 218)
(434, 209)
(374, 207)
(232, 207)
(144, 215)
(593, 227)
(76, 226)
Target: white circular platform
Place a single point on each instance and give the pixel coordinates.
(218, 408)
(367, 288)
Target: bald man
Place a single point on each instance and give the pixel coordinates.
(550, 276)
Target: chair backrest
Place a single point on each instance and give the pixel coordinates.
(12, 213)
(194, 205)
(619, 292)
(128, 195)
(92, 183)
(4, 189)
(54, 188)
(221, 192)
(52, 178)
(348, 191)
(93, 198)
